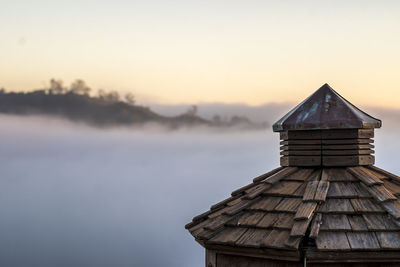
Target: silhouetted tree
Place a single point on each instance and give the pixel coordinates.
(130, 99)
(56, 87)
(79, 87)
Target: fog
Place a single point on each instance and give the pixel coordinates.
(72, 195)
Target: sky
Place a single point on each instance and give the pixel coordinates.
(185, 52)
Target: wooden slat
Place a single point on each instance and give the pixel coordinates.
(252, 238)
(347, 152)
(347, 133)
(266, 203)
(379, 222)
(300, 227)
(256, 191)
(300, 153)
(385, 173)
(315, 226)
(346, 141)
(339, 175)
(238, 207)
(300, 191)
(250, 219)
(389, 240)
(332, 241)
(276, 239)
(347, 147)
(365, 205)
(228, 236)
(392, 186)
(339, 205)
(284, 221)
(335, 222)
(344, 160)
(305, 210)
(268, 220)
(380, 193)
(301, 175)
(293, 242)
(363, 240)
(305, 161)
(341, 190)
(288, 205)
(284, 188)
(310, 191)
(363, 176)
(301, 142)
(266, 175)
(300, 135)
(224, 202)
(301, 147)
(362, 190)
(357, 223)
(322, 191)
(280, 174)
(217, 222)
(393, 207)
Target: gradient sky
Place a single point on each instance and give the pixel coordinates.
(206, 51)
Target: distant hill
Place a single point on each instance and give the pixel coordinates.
(104, 110)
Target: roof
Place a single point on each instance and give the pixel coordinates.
(326, 209)
(325, 109)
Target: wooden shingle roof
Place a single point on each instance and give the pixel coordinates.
(322, 209)
(325, 109)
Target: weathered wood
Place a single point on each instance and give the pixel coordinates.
(300, 227)
(331, 161)
(310, 190)
(301, 175)
(284, 221)
(339, 175)
(347, 147)
(266, 204)
(266, 175)
(300, 142)
(256, 191)
(306, 161)
(301, 153)
(322, 191)
(362, 240)
(385, 173)
(339, 205)
(301, 147)
(250, 218)
(393, 207)
(389, 240)
(268, 220)
(224, 202)
(341, 190)
(315, 226)
(228, 236)
(252, 238)
(285, 172)
(288, 205)
(392, 186)
(379, 222)
(365, 178)
(365, 205)
(293, 242)
(217, 222)
(357, 223)
(347, 133)
(346, 141)
(300, 135)
(238, 207)
(364, 258)
(335, 222)
(276, 239)
(225, 260)
(305, 211)
(380, 193)
(347, 152)
(211, 258)
(332, 241)
(284, 188)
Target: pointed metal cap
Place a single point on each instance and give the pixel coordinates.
(325, 109)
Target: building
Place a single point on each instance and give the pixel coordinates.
(327, 205)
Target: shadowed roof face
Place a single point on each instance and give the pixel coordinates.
(325, 109)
